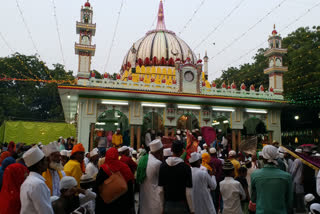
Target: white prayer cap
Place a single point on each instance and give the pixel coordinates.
(193, 130)
(49, 149)
(281, 150)
(60, 137)
(32, 156)
(118, 129)
(205, 145)
(195, 156)
(53, 198)
(178, 131)
(94, 152)
(199, 138)
(131, 149)
(86, 178)
(315, 207)
(317, 155)
(270, 153)
(167, 152)
(155, 145)
(64, 153)
(71, 137)
(134, 152)
(298, 150)
(212, 151)
(69, 153)
(309, 197)
(232, 153)
(123, 148)
(67, 182)
(40, 143)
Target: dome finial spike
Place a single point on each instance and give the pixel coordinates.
(161, 24)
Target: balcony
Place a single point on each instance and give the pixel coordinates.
(83, 26)
(90, 49)
(275, 69)
(275, 51)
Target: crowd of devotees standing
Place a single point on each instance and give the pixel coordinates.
(62, 178)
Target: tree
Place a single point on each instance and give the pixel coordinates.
(30, 100)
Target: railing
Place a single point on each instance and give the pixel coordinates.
(174, 88)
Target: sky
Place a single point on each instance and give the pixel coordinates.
(246, 28)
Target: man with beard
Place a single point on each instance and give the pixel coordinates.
(92, 167)
(71, 197)
(54, 173)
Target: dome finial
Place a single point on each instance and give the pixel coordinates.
(161, 24)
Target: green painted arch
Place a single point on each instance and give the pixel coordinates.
(113, 119)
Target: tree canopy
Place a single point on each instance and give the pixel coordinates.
(30, 100)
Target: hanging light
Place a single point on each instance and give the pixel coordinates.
(296, 117)
(296, 139)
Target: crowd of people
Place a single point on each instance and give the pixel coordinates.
(62, 178)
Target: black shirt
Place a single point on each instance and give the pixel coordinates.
(175, 180)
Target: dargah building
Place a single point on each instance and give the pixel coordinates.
(162, 85)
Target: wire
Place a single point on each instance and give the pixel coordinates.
(58, 31)
(221, 23)
(190, 19)
(113, 37)
(7, 44)
(247, 31)
(27, 28)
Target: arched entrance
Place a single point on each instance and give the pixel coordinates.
(255, 127)
(187, 121)
(110, 120)
(154, 121)
(221, 125)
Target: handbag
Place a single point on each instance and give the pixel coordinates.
(113, 187)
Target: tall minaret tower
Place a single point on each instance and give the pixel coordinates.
(276, 68)
(205, 65)
(84, 48)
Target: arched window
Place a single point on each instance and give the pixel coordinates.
(278, 62)
(277, 44)
(85, 40)
(271, 63)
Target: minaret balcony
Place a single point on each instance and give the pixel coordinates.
(275, 69)
(275, 51)
(86, 27)
(90, 49)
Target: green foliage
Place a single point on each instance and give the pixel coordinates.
(30, 100)
(301, 82)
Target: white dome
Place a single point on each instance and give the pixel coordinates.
(160, 43)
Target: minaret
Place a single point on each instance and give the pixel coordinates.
(205, 65)
(84, 48)
(161, 25)
(276, 68)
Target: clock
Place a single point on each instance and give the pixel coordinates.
(189, 76)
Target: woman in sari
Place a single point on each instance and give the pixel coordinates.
(13, 177)
(8, 161)
(3, 156)
(125, 203)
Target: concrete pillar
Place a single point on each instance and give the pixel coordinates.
(233, 139)
(138, 137)
(131, 136)
(238, 140)
(270, 137)
(166, 131)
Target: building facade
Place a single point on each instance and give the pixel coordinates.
(162, 85)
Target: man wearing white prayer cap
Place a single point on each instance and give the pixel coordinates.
(124, 153)
(149, 189)
(202, 183)
(272, 185)
(92, 167)
(235, 163)
(55, 172)
(167, 153)
(71, 197)
(34, 193)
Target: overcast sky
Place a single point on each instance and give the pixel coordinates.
(136, 19)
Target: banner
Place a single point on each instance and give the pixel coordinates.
(34, 132)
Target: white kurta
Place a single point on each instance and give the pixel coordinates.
(297, 175)
(232, 193)
(149, 189)
(92, 170)
(35, 195)
(201, 198)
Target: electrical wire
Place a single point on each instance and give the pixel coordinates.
(113, 37)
